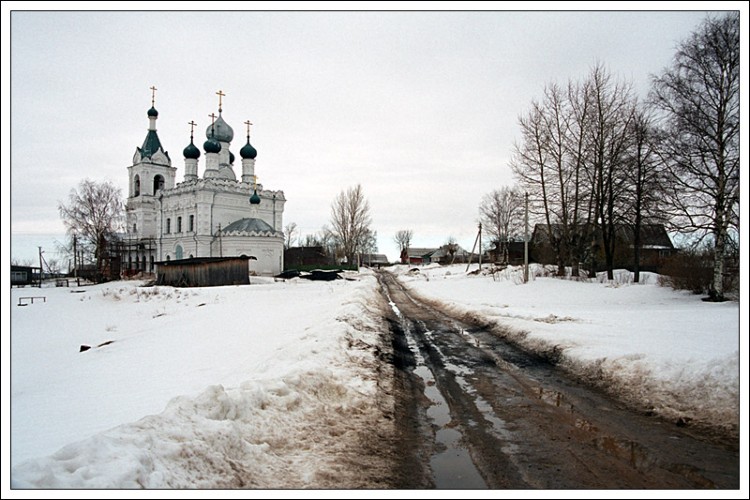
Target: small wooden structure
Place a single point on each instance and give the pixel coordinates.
(203, 271)
(296, 257)
(25, 275)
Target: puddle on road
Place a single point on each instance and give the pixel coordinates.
(452, 467)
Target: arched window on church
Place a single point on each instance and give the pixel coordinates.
(178, 252)
(158, 183)
(137, 186)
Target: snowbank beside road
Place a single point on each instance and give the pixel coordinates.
(276, 385)
(663, 350)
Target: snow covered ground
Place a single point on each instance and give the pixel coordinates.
(271, 385)
(661, 349)
(276, 380)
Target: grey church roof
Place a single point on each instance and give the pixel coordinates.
(249, 225)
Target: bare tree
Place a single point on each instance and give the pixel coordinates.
(330, 243)
(403, 239)
(289, 232)
(645, 180)
(580, 228)
(501, 215)
(311, 240)
(369, 246)
(699, 95)
(94, 215)
(53, 266)
(28, 262)
(612, 112)
(451, 247)
(550, 163)
(530, 164)
(350, 221)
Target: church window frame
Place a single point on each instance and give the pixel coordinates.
(179, 224)
(178, 252)
(158, 182)
(169, 225)
(137, 185)
(191, 223)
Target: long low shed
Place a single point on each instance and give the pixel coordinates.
(203, 271)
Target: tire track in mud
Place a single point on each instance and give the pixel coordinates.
(491, 415)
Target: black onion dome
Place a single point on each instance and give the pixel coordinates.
(248, 152)
(255, 199)
(211, 146)
(191, 152)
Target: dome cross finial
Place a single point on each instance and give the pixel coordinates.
(220, 94)
(248, 123)
(153, 94)
(192, 126)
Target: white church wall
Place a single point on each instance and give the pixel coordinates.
(268, 252)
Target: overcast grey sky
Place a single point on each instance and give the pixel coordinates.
(420, 108)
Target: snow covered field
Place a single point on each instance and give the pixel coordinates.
(273, 385)
(277, 380)
(662, 349)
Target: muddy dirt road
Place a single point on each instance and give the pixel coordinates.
(480, 413)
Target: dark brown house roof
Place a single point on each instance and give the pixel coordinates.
(652, 235)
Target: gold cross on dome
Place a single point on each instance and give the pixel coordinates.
(220, 94)
(248, 123)
(213, 117)
(192, 126)
(153, 94)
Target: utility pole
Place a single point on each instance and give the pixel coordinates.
(41, 269)
(477, 239)
(526, 240)
(480, 246)
(75, 256)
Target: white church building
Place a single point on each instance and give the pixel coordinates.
(215, 214)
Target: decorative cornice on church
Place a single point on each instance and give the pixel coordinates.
(262, 234)
(215, 183)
